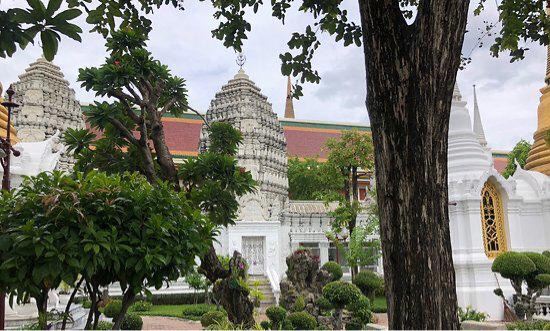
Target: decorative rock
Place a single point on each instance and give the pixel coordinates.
(263, 149)
(47, 105)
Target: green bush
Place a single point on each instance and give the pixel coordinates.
(287, 325)
(334, 269)
(299, 304)
(471, 314)
(302, 321)
(513, 265)
(368, 282)
(546, 253)
(360, 311)
(533, 325)
(265, 325)
(141, 306)
(104, 325)
(340, 293)
(131, 322)
(113, 308)
(276, 315)
(354, 324)
(323, 304)
(195, 312)
(86, 303)
(361, 303)
(213, 317)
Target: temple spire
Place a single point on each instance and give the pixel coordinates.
(289, 107)
(478, 125)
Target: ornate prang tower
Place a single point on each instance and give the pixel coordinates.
(263, 150)
(48, 105)
(539, 155)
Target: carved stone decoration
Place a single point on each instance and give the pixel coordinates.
(263, 150)
(48, 105)
(253, 253)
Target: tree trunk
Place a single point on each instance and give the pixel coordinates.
(127, 300)
(42, 307)
(410, 74)
(353, 220)
(70, 302)
(164, 158)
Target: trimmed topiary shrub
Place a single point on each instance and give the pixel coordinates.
(113, 308)
(86, 303)
(131, 322)
(360, 312)
(369, 283)
(546, 253)
(334, 269)
(302, 321)
(265, 325)
(299, 305)
(529, 268)
(340, 293)
(276, 315)
(213, 317)
(323, 304)
(141, 306)
(513, 265)
(104, 325)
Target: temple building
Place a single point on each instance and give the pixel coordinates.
(488, 213)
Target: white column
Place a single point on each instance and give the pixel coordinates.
(323, 252)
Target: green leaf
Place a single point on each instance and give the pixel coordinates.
(39, 8)
(49, 44)
(53, 6)
(70, 30)
(67, 15)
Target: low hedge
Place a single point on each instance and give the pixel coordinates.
(131, 322)
(533, 325)
(170, 299)
(195, 312)
(104, 325)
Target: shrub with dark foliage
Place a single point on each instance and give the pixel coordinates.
(334, 269)
(302, 321)
(131, 322)
(368, 282)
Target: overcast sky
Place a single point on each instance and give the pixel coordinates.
(508, 93)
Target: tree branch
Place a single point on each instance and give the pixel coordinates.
(123, 130)
(167, 106)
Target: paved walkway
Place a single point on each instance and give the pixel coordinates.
(169, 323)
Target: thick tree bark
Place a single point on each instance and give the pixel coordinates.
(164, 158)
(410, 73)
(127, 300)
(353, 220)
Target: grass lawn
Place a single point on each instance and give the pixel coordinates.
(190, 312)
(379, 305)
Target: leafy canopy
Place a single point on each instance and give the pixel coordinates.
(312, 180)
(519, 154)
(106, 228)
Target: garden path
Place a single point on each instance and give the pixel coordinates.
(169, 323)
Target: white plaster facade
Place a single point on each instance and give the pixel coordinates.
(526, 204)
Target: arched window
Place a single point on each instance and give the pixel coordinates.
(492, 221)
